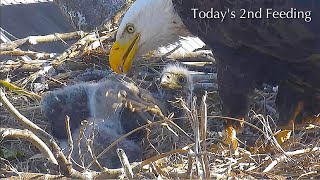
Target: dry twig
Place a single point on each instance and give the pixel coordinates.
(125, 163)
(290, 154)
(70, 140)
(32, 138)
(203, 134)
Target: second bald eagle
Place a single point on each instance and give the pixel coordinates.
(249, 52)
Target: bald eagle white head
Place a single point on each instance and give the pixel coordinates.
(147, 25)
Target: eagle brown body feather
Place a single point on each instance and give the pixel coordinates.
(249, 52)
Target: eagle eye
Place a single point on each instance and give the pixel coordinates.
(181, 80)
(130, 28)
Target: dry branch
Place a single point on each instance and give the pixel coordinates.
(70, 140)
(125, 163)
(160, 156)
(21, 66)
(199, 57)
(288, 154)
(47, 138)
(32, 138)
(77, 48)
(32, 40)
(66, 167)
(28, 175)
(34, 55)
(203, 135)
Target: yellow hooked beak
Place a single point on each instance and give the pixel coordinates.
(121, 55)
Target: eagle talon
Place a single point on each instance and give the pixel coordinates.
(261, 147)
(311, 120)
(293, 124)
(230, 137)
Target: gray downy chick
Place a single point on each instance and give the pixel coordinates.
(80, 102)
(97, 136)
(176, 86)
(100, 105)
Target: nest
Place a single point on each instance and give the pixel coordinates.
(169, 152)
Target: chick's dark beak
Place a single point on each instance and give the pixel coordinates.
(169, 81)
(165, 80)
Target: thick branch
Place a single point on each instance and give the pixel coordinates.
(31, 40)
(290, 154)
(66, 167)
(21, 66)
(32, 138)
(47, 138)
(34, 55)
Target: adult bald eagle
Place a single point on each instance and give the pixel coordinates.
(283, 51)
